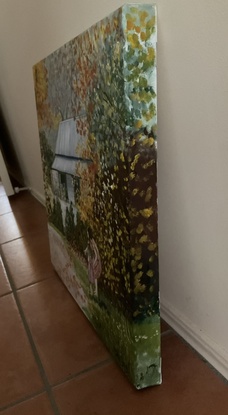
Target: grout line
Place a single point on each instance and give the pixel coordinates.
(82, 372)
(19, 401)
(4, 295)
(98, 365)
(12, 240)
(30, 338)
(31, 284)
(6, 213)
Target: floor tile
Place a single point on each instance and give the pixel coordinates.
(28, 212)
(28, 259)
(4, 283)
(9, 228)
(65, 340)
(19, 375)
(4, 205)
(39, 405)
(164, 326)
(32, 220)
(23, 201)
(189, 387)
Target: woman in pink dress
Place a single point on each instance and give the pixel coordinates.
(94, 263)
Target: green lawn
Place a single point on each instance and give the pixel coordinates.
(136, 346)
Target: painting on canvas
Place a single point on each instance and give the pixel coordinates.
(96, 106)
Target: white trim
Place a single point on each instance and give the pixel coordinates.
(38, 196)
(205, 346)
(4, 177)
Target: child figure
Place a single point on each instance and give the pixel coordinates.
(94, 263)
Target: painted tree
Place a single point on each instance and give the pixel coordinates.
(70, 223)
(56, 216)
(140, 74)
(125, 131)
(106, 123)
(80, 236)
(61, 74)
(47, 119)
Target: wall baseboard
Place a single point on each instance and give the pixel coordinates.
(204, 345)
(38, 196)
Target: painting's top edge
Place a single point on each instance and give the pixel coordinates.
(141, 11)
(152, 5)
(139, 4)
(119, 9)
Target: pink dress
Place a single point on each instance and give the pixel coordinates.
(94, 262)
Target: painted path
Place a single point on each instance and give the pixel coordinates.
(64, 267)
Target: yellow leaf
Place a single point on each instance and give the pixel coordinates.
(148, 196)
(138, 124)
(143, 16)
(139, 275)
(138, 257)
(143, 36)
(135, 191)
(139, 288)
(133, 141)
(150, 227)
(138, 250)
(150, 273)
(143, 238)
(133, 39)
(140, 228)
(130, 25)
(148, 141)
(152, 246)
(135, 161)
(151, 54)
(146, 213)
(151, 22)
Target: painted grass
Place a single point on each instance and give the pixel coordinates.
(136, 347)
(81, 272)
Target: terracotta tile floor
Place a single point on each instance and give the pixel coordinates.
(52, 361)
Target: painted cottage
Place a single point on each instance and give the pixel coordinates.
(68, 162)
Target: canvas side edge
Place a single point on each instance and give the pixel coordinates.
(153, 43)
(38, 196)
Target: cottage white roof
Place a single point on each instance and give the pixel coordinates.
(65, 165)
(68, 140)
(69, 150)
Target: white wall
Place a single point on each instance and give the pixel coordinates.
(193, 143)
(4, 177)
